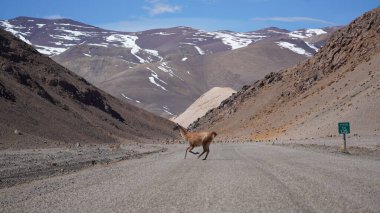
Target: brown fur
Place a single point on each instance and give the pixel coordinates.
(197, 139)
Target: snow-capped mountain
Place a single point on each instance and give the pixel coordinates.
(52, 105)
(52, 37)
(165, 70)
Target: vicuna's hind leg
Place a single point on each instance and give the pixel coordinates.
(205, 149)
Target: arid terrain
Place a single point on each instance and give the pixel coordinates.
(165, 70)
(26, 165)
(54, 122)
(44, 104)
(68, 146)
(339, 83)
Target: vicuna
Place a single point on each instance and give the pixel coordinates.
(196, 139)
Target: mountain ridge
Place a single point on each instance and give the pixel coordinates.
(50, 105)
(338, 84)
(184, 58)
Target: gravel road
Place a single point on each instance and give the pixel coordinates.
(235, 178)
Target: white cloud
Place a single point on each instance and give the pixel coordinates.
(56, 16)
(157, 7)
(294, 19)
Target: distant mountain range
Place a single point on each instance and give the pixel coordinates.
(166, 70)
(44, 104)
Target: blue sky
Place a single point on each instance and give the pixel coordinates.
(235, 15)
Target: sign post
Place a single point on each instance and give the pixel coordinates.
(344, 128)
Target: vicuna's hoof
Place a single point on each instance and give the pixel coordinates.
(204, 159)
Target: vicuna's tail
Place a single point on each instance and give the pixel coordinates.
(214, 134)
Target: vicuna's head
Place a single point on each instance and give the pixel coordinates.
(176, 127)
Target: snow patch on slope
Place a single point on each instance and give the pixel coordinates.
(166, 109)
(50, 51)
(11, 28)
(128, 98)
(154, 77)
(99, 45)
(151, 79)
(307, 33)
(296, 34)
(235, 40)
(163, 33)
(129, 41)
(75, 33)
(312, 46)
(293, 48)
(154, 53)
(315, 32)
(164, 67)
(200, 51)
(65, 37)
(40, 25)
(74, 25)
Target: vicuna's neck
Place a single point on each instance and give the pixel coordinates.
(183, 131)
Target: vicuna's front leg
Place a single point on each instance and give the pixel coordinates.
(205, 149)
(189, 149)
(201, 153)
(208, 151)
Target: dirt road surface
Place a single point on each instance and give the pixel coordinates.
(235, 178)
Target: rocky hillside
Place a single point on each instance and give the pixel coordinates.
(340, 83)
(42, 103)
(165, 70)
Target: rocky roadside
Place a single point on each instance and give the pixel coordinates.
(26, 165)
(367, 147)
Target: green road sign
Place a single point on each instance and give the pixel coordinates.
(344, 127)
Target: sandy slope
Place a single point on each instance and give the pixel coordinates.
(207, 101)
